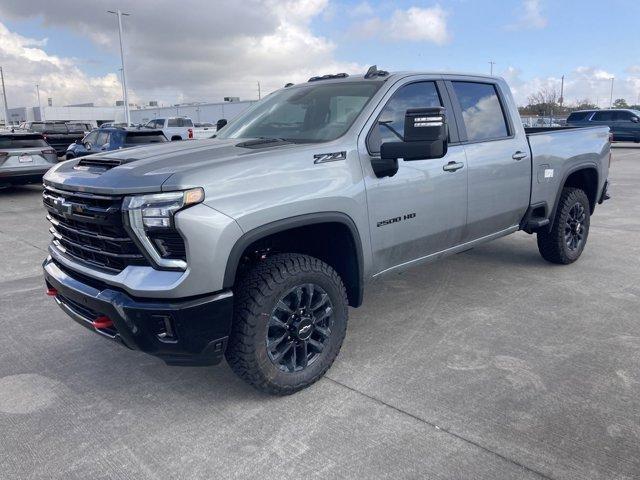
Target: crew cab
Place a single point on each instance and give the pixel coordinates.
(174, 128)
(252, 245)
(113, 138)
(59, 134)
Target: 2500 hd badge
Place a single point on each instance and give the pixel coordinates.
(389, 221)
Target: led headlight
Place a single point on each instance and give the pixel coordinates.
(156, 212)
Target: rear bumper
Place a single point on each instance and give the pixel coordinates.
(23, 175)
(179, 331)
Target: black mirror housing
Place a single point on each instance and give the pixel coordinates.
(425, 124)
(221, 123)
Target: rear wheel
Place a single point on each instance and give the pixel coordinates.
(568, 236)
(290, 318)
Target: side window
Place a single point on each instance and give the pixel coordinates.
(622, 116)
(103, 138)
(91, 138)
(604, 116)
(173, 122)
(391, 118)
(186, 122)
(482, 113)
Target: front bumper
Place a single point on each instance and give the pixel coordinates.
(191, 331)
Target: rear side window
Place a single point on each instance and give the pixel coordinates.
(36, 127)
(186, 122)
(140, 138)
(390, 125)
(604, 116)
(623, 116)
(481, 111)
(23, 141)
(56, 127)
(173, 122)
(578, 116)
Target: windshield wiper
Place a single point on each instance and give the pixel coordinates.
(263, 141)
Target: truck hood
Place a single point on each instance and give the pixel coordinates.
(147, 168)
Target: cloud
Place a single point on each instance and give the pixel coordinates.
(25, 64)
(414, 24)
(582, 83)
(202, 50)
(530, 17)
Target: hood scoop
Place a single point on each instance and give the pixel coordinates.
(98, 163)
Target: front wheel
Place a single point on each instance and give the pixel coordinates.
(290, 318)
(566, 240)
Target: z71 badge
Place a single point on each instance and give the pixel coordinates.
(389, 221)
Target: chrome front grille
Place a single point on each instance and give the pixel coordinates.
(89, 229)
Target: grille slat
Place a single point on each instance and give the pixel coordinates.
(89, 229)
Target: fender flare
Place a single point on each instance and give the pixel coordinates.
(295, 222)
(567, 174)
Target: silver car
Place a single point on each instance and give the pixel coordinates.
(24, 158)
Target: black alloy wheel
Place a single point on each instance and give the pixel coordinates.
(299, 327)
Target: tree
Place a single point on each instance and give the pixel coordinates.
(620, 103)
(585, 104)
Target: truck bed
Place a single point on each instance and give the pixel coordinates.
(559, 151)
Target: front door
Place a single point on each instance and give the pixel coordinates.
(422, 209)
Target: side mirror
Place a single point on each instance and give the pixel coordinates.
(635, 119)
(221, 123)
(87, 145)
(78, 142)
(425, 137)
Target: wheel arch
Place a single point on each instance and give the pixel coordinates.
(308, 235)
(585, 177)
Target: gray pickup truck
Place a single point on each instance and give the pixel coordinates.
(252, 245)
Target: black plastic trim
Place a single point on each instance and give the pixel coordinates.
(294, 222)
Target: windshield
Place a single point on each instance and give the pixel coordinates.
(313, 113)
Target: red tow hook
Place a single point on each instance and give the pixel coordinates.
(51, 292)
(102, 322)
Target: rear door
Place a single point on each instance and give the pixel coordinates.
(605, 118)
(625, 126)
(422, 209)
(499, 167)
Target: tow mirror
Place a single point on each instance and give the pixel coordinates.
(425, 137)
(221, 123)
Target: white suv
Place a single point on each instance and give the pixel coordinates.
(174, 128)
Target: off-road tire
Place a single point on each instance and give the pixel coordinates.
(551, 243)
(256, 296)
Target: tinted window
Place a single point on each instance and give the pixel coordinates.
(623, 116)
(603, 116)
(186, 122)
(174, 122)
(578, 116)
(139, 138)
(77, 127)
(56, 127)
(481, 111)
(36, 127)
(391, 119)
(23, 141)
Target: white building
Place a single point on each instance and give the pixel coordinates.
(200, 112)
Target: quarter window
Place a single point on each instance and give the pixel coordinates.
(481, 111)
(391, 118)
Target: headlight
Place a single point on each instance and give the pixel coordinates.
(145, 213)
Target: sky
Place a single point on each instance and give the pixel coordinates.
(204, 50)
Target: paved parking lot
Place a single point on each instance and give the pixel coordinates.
(490, 364)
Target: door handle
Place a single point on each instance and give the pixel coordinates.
(519, 155)
(453, 166)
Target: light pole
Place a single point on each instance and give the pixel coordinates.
(119, 14)
(4, 96)
(492, 63)
(561, 101)
(611, 96)
(39, 106)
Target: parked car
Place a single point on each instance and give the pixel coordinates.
(59, 134)
(113, 138)
(624, 123)
(174, 128)
(203, 130)
(254, 245)
(24, 158)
